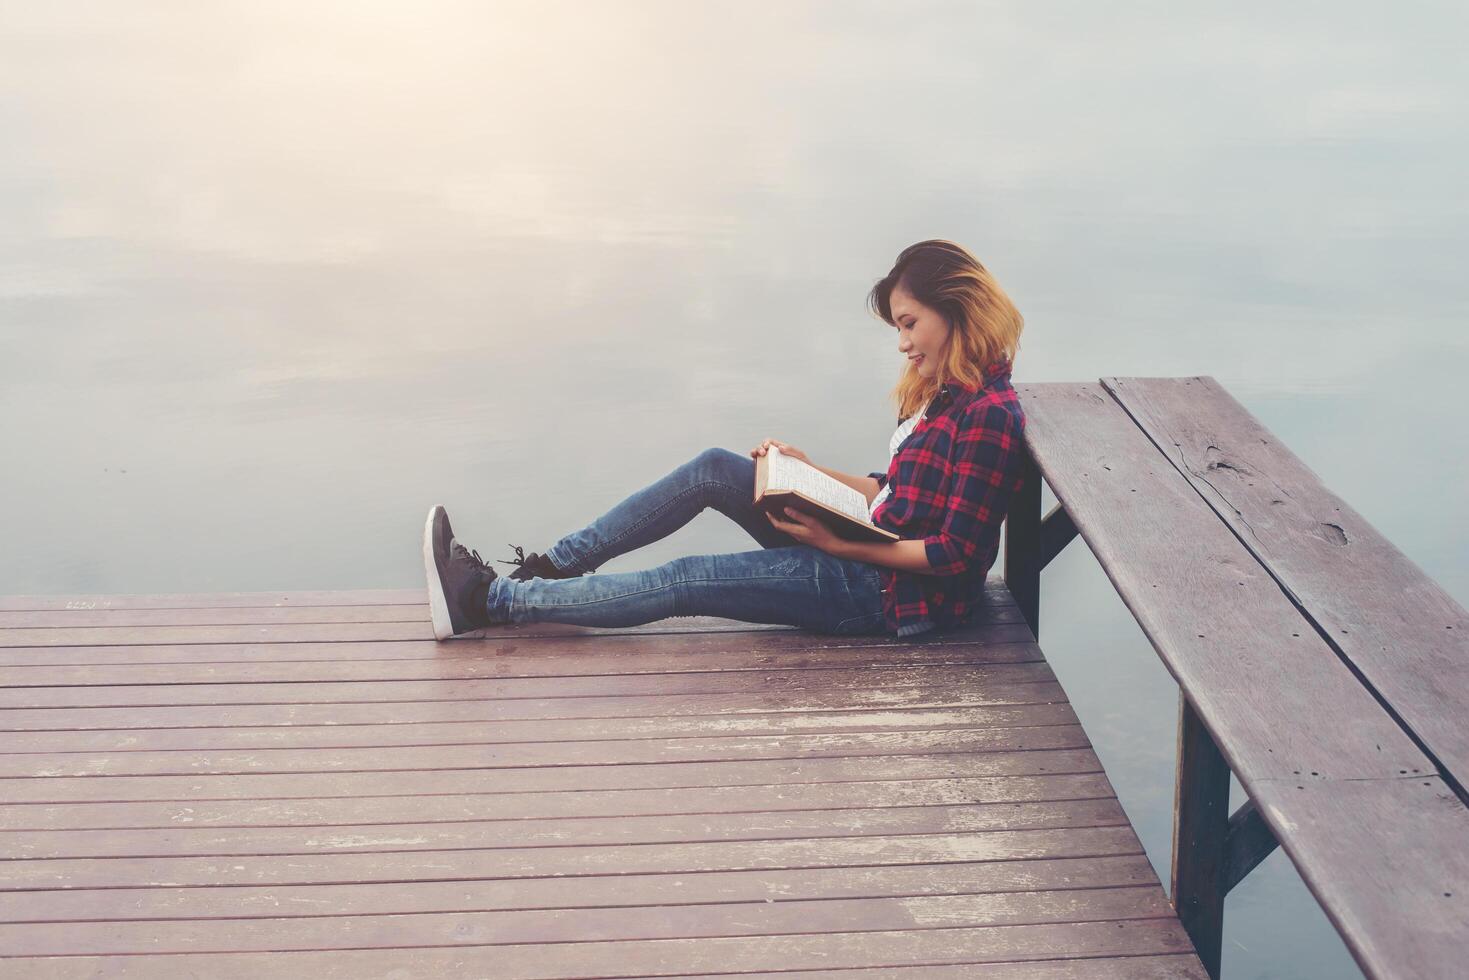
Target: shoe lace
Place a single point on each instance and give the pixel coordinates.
(519, 558)
(471, 555)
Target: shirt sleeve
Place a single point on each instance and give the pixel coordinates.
(980, 484)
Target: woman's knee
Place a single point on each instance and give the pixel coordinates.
(725, 466)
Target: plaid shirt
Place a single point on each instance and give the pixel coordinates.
(952, 480)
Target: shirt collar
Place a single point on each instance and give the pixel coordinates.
(993, 372)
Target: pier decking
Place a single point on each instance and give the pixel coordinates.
(289, 785)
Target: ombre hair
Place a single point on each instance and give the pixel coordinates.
(984, 325)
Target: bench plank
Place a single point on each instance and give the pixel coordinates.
(1217, 620)
(1263, 681)
(1406, 635)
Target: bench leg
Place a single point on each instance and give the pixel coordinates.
(1023, 559)
(1200, 832)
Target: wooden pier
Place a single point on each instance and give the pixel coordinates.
(308, 785)
(231, 786)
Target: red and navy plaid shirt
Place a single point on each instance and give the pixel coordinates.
(952, 480)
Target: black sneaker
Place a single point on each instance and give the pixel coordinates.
(458, 579)
(534, 566)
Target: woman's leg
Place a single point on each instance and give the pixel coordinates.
(718, 478)
(796, 586)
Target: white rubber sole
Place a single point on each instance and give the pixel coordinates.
(438, 607)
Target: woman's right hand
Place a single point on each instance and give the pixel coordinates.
(791, 451)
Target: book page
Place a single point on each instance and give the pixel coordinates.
(789, 473)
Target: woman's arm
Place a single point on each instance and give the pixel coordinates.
(908, 556)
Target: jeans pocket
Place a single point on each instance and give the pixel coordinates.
(866, 623)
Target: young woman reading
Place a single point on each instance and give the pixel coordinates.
(954, 466)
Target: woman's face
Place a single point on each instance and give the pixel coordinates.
(923, 333)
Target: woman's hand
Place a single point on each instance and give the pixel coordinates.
(807, 529)
(791, 451)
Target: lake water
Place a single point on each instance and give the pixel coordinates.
(274, 278)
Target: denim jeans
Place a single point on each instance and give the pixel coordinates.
(784, 582)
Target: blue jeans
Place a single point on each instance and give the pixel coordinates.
(784, 582)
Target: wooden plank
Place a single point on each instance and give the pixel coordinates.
(563, 730)
(1387, 860)
(605, 891)
(168, 871)
(561, 831)
(1407, 636)
(1130, 967)
(760, 772)
(1217, 621)
(121, 675)
(681, 922)
(995, 593)
(555, 655)
(996, 610)
(749, 683)
(523, 754)
(66, 636)
(1007, 943)
(1220, 623)
(1200, 836)
(768, 703)
(544, 654)
(376, 810)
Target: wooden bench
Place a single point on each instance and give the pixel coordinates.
(1314, 660)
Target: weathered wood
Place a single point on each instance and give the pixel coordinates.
(1407, 637)
(649, 685)
(1248, 842)
(552, 804)
(566, 729)
(597, 891)
(848, 916)
(666, 775)
(558, 655)
(1130, 967)
(368, 811)
(491, 831)
(994, 607)
(418, 598)
(1023, 545)
(1217, 621)
(163, 871)
(769, 703)
(519, 755)
(1265, 684)
(1057, 531)
(767, 954)
(64, 636)
(1200, 836)
(128, 675)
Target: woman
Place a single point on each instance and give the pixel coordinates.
(955, 465)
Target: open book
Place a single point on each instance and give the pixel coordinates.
(784, 481)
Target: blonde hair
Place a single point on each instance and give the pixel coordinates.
(984, 325)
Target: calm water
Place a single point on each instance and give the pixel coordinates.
(274, 280)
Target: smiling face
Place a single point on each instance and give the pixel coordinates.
(922, 331)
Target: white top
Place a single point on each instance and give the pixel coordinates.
(904, 430)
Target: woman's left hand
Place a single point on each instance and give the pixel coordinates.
(806, 529)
